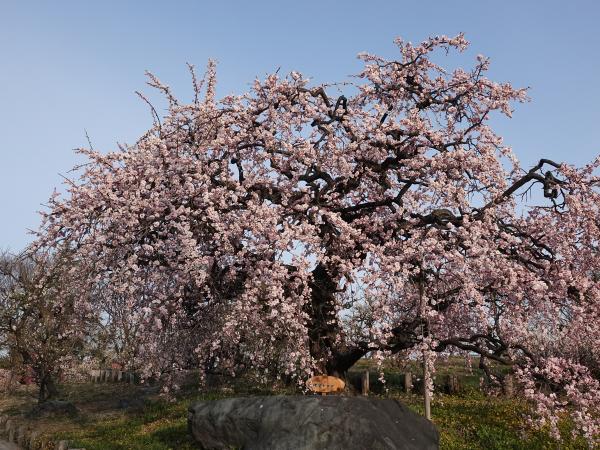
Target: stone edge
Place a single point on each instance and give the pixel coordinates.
(27, 437)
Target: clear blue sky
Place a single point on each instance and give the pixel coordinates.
(70, 66)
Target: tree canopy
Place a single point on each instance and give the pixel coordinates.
(297, 228)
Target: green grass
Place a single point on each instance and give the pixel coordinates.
(159, 426)
(472, 421)
(468, 421)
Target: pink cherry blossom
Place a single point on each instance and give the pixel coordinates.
(286, 231)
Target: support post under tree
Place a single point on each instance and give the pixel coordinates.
(408, 382)
(426, 375)
(365, 383)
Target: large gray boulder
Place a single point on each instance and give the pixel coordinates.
(309, 422)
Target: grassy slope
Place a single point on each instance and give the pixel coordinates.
(467, 421)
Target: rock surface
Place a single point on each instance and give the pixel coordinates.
(309, 422)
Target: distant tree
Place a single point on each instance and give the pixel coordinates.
(40, 327)
(292, 232)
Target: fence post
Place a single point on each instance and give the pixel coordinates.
(21, 435)
(33, 438)
(10, 430)
(365, 383)
(509, 386)
(452, 385)
(408, 382)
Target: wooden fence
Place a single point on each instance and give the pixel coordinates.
(364, 382)
(113, 376)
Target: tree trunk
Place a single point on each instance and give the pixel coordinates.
(323, 327)
(48, 388)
